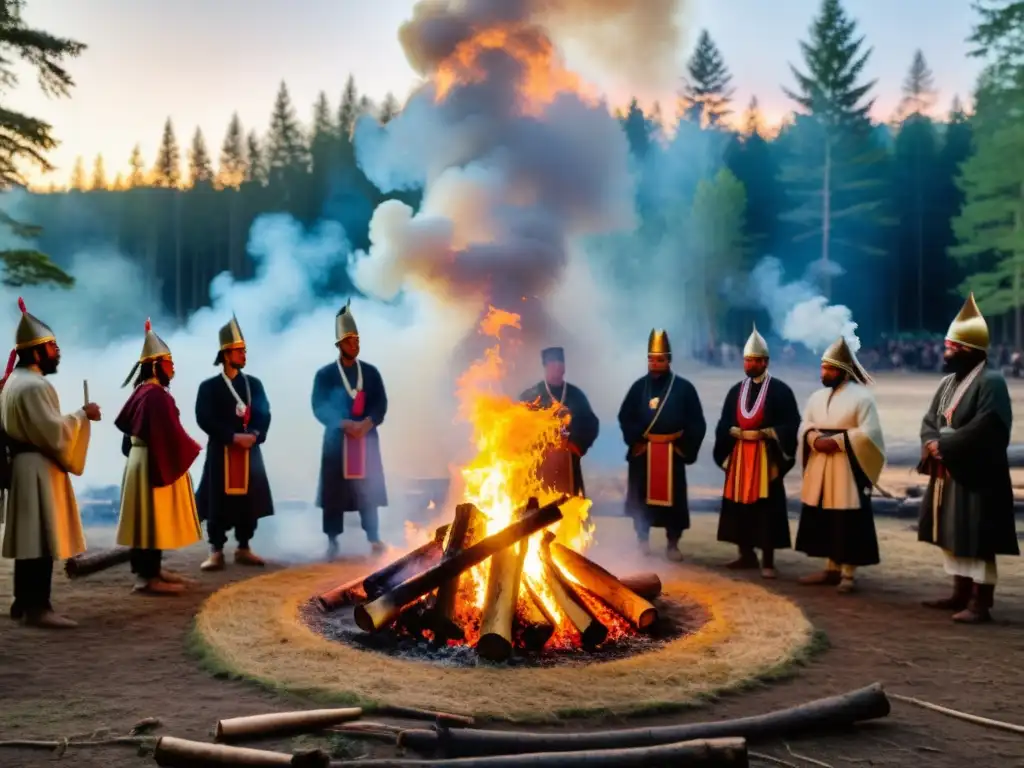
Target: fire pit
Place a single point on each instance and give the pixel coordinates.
(518, 591)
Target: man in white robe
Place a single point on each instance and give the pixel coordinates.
(43, 447)
(842, 452)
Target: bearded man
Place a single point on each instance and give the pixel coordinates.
(663, 426)
(43, 447)
(234, 493)
(561, 469)
(350, 402)
(967, 509)
(841, 450)
(755, 443)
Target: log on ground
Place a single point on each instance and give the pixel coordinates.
(183, 753)
(88, 563)
(280, 723)
(647, 585)
(710, 753)
(639, 612)
(349, 593)
(840, 711)
(379, 613)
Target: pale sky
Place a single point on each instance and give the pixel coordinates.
(200, 60)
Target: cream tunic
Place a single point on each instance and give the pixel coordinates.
(828, 480)
(41, 512)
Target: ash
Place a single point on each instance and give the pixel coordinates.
(677, 618)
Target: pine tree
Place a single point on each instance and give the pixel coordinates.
(78, 181)
(707, 91)
(324, 140)
(137, 174)
(638, 130)
(753, 120)
(389, 109)
(287, 152)
(752, 160)
(232, 170)
(24, 140)
(256, 170)
(119, 184)
(167, 171)
(365, 105)
(200, 166)
(348, 110)
(834, 173)
(918, 88)
(99, 174)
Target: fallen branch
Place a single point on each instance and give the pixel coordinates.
(835, 711)
(183, 753)
(806, 759)
(965, 716)
(772, 759)
(64, 744)
(711, 753)
(280, 723)
(449, 719)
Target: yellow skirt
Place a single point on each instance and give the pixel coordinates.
(155, 518)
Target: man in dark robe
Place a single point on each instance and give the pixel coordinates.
(842, 452)
(158, 506)
(234, 493)
(755, 442)
(350, 401)
(561, 469)
(663, 427)
(967, 509)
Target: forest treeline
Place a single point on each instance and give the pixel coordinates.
(912, 212)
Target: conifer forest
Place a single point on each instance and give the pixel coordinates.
(913, 212)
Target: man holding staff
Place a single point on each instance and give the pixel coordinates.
(44, 447)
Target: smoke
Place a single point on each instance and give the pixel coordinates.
(798, 311)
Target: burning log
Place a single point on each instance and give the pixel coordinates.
(183, 753)
(647, 585)
(535, 627)
(377, 583)
(88, 563)
(710, 753)
(278, 723)
(466, 530)
(378, 613)
(867, 703)
(502, 599)
(592, 631)
(592, 577)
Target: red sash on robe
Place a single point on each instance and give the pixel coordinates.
(354, 448)
(661, 457)
(747, 476)
(236, 465)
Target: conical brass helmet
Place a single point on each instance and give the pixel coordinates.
(756, 346)
(31, 330)
(969, 327)
(231, 335)
(842, 357)
(153, 348)
(658, 343)
(345, 323)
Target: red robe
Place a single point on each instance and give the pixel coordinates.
(151, 415)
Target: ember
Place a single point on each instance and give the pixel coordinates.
(507, 572)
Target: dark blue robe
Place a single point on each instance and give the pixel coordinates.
(682, 413)
(216, 416)
(332, 405)
(583, 427)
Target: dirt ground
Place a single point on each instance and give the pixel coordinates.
(128, 659)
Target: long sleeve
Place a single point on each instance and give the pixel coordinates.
(632, 427)
(584, 426)
(327, 401)
(786, 425)
(259, 416)
(63, 438)
(376, 396)
(973, 450)
(930, 422)
(694, 425)
(866, 440)
(724, 441)
(219, 429)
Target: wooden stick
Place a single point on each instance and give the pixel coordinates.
(647, 585)
(707, 753)
(965, 716)
(640, 613)
(467, 528)
(379, 613)
(592, 631)
(88, 563)
(183, 753)
(397, 571)
(833, 712)
(258, 726)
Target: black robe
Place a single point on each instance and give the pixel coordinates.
(583, 428)
(975, 514)
(216, 416)
(682, 413)
(765, 523)
(331, 405)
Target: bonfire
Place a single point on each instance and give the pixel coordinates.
(507, 572)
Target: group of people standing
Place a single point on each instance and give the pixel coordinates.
(760, 437)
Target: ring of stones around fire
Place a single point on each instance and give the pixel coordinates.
(253, 629)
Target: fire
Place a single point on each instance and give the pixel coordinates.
(543, 75)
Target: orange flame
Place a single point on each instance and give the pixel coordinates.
(543, 77)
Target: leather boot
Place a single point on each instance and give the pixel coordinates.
(958, 600)
(978, 608)
(215, 562)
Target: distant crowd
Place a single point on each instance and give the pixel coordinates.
(910, 355)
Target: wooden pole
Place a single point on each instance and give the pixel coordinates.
(640, 613)
(278, 723)
(592, 631)
(467, 528)
(379, 613)
(183, 753)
